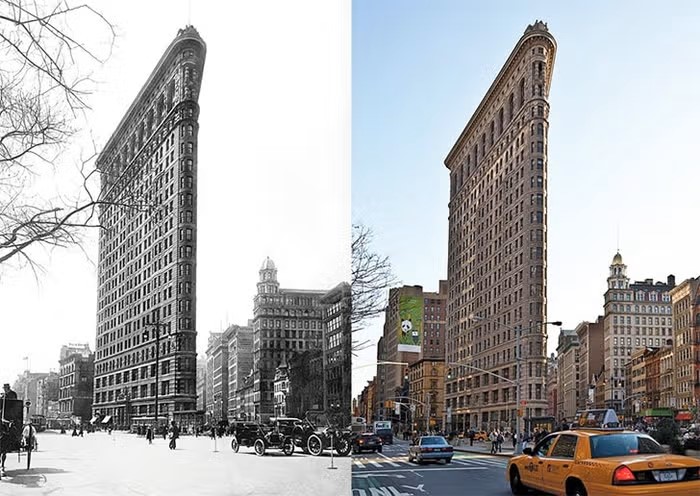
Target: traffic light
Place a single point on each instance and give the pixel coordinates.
(520, 412)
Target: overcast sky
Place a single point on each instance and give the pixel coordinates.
(622, 139)
(274, 165)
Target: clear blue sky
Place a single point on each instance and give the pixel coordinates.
(622, 157)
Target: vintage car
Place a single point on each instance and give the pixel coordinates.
(314, 434)
(605, 461)
(430, 448)
(261, 437)
(367, 441)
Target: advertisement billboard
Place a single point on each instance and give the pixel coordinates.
(410, 323)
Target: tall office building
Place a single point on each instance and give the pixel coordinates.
(240, 365)
(637, 315)
(147, 247)
(497, 247)
(286, 322)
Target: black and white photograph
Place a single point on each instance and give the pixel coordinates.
(175, 244)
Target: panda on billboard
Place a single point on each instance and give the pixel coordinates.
(411, 323)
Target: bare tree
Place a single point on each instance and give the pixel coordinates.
(44, 82)
(371, 278)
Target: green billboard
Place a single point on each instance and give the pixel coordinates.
(410, 323)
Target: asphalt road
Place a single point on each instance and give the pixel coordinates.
(126, 465)
(390, 474)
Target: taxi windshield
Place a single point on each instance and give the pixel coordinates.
(626, 444)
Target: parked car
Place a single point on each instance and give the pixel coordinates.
(430, 448)
(367, 441)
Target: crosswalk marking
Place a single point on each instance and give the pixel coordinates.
(401, 461)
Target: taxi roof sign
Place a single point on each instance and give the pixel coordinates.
(598, 419)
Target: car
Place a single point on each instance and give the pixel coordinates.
(367, 441)
(608, 461)
(430, 448)
(481, 436)
(386, 435)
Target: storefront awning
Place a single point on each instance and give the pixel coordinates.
(684, 416)
(92, 420)
(106, 419)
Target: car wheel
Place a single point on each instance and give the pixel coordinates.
(288, 446)
(315, 445)
(259, 447)
(575, 489)
(343, 448)
(516, 485)
(379, 450)
(234, 444)
(449, 460)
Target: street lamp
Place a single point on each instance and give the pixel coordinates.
(157, 326)
(518, 359)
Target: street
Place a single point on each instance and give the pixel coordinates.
(124, 464)
(390, 474)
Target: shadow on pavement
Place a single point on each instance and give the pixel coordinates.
(34, 477)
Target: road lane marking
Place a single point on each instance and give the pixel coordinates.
(358, 463)
(388, 460)
(418, 470)
(376, 464)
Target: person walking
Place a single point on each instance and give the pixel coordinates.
(149, 434)
(492, 438)
(499, 441)
(174, 434)
(81, 431)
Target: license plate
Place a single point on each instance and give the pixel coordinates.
(665, 475)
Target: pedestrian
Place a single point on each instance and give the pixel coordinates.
(8, 393)
(174, 434)
(472, 434)
(149, 434)
(499, 441)
(81, 431)
(515, 440)
(165, 433)
(492, 438)
(75, 432)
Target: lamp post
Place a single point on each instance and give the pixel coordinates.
(518, 359)
(157, 326)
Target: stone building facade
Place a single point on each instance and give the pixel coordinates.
(427, 391)
(686, 343)
(76, 381)
(148, 245)
(337, 354)
(590, 337)
(286, 322)
(568, 362)
(240, 365)
(636, 315)
(497, 247)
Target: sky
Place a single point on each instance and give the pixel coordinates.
(273, 165)
(623, 164)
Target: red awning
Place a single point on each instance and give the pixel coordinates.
(684, 416)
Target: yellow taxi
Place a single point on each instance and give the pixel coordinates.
(598, 458)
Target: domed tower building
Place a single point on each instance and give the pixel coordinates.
(637, 315)
(286, 322)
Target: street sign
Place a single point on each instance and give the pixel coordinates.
(413, 408)
(397, 408)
